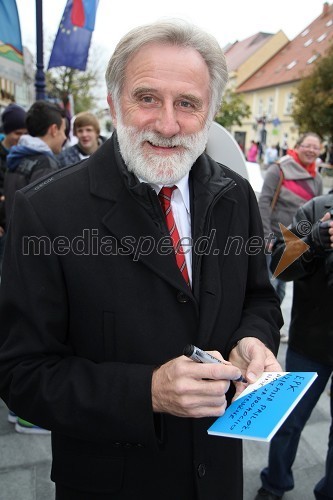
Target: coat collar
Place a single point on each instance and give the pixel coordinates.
(110, 179)
(293, 170)
(108, 176)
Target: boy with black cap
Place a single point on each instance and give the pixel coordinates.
(32, 157)
(13, 126)
(35, 154)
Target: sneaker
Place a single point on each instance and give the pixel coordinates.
(267, 495)
(24, 427)
(12, 417)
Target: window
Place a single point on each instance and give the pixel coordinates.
(291, 65)
(305, 32)
(312, 59)
(289, 104)
(308, 42)
(322, 37)
(270, 107)
(260, 107)
(329, 23)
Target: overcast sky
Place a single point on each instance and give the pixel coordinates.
(227, 21)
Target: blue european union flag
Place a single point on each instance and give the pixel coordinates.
(10, 31)
(72, 43)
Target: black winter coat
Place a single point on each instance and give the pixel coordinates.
(30, 169)
(3, 168)
(85, 319)
(311, 325)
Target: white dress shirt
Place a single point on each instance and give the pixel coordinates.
(180, 206)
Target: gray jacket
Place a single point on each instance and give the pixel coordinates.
(288, 201)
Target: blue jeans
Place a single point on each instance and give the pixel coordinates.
(278, 285)
(278, 477)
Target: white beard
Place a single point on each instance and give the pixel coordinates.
(154, 168)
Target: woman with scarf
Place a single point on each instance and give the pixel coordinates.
(288, 184)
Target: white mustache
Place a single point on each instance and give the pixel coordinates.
(167, 142)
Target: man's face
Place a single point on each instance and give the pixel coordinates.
(88, 138)
(161, 118)
(12, 138)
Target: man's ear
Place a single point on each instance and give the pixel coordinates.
(53, 129)
(112, 110)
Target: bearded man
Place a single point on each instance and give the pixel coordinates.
(115, 264)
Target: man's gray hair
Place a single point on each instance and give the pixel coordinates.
(169, 32)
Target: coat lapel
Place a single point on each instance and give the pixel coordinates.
(128, 221)
(134, 218)
(131, 214)
(207, 265)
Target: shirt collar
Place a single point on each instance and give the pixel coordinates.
(183, 187)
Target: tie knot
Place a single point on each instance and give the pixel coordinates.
(166, 193)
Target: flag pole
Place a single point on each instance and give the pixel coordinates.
(40, 75)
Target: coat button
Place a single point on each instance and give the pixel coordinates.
(182, 298)
(201, 470)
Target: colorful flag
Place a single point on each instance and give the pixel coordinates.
(11, 51)
(71, 46)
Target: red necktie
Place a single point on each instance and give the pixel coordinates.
(165, 200)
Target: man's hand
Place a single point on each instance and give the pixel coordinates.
(185, 388)
(321, 236)
(253, 358)
(2, 231)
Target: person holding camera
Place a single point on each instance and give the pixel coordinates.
(310, 342)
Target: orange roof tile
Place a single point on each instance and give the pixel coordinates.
(294, 61)
(239, 52)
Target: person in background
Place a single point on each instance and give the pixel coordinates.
(310, 344)
(260, 151)
(270, 156)
(330, 154)
(96, 323)
(241, 146)
(284, 147)
(13, 126)
(87, 130)
(288, 184)
(30, 159)
(324, 153)
(252, 154)
(34, 155)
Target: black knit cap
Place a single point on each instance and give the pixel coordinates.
(13, 118)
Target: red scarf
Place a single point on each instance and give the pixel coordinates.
(310, 168)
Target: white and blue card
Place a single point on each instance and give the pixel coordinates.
(263, 406)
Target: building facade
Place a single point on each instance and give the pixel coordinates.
(270, 90)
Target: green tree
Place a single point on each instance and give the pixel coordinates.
(85, 87)
(62, 82)
(313, 106)
(233, 110)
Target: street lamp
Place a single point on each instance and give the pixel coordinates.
(40, 75)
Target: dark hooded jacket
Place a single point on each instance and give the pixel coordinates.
(311, 325)
(26, 162)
